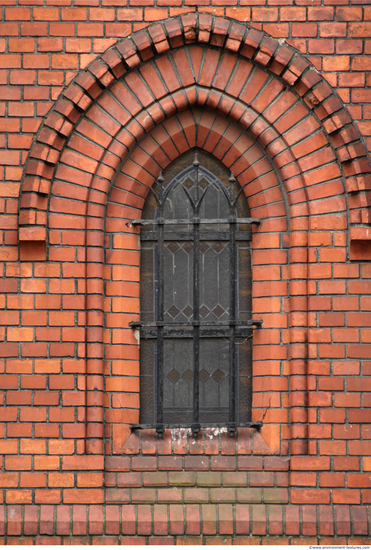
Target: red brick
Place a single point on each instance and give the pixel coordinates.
(310, 463)
(34, 29)
(292, 520)
(128, 520)
(74, 14)
(45, 14)
(144, 520)
(90, 29)
(304, 479)
(20, 45)
(23, 496)
(309, 520)
(176, 519)
(331, 480)
(17, 14)
(345, 496)
(15, 520)
(88, 496)
(49, 44)
(304, 30)
(242, 519)
(313, 496)
(61, 29)
(96, 520)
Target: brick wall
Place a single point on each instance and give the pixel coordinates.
(90, 114)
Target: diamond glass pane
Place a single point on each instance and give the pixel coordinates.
(214, 281)
(214, 378)
(178, 273)
(178, 386)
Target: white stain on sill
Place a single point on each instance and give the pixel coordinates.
(214, 432)
(179, 434)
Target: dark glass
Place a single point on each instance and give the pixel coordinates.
(214, 281)
(178, 380)
(178, 270)
(214, 379)
(195, 297)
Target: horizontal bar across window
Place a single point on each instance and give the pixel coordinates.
(204, 236)
(257, 425)
(190, 221)
(211, 332)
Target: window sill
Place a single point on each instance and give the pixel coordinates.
(265, 440)
(195, 428)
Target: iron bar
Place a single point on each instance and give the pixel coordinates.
(232, 305)
(216, 332)
(161, 221)
(160, 311)
(249, 323)
(196, 305)
(188, 236)
(228, 425)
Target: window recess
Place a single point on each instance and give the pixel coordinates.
(195, 322)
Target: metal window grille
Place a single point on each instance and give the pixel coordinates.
(195, 326)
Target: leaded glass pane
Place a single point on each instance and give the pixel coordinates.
(178, 272)
(178, 378)
(214, 281)
(214, 378)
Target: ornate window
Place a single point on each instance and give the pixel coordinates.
(195, 322)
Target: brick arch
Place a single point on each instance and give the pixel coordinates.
(294, 140)
(274, 96)
(215, 134)
(127, 60)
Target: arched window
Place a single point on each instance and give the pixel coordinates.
(195, 294)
